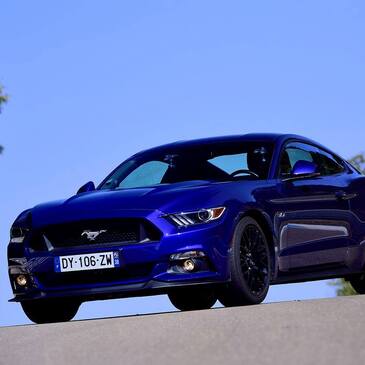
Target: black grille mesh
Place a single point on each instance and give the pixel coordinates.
(96, 232)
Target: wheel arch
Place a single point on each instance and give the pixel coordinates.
(264, 221)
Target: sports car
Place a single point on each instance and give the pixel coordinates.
(204, 220)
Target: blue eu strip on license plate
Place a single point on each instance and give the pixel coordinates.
(93, 261)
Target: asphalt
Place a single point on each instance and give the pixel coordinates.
(314, 332)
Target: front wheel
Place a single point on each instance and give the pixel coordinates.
(249, 266)
(48, 311)
(187, 299)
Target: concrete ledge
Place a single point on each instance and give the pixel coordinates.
(315, 332)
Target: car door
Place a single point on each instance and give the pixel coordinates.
(312, 218)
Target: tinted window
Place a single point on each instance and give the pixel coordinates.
(212, 162)
(326, 163)
(230, 163)
(149, 173)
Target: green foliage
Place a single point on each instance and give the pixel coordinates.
(3, 99)
(344, 288)
(358, 161)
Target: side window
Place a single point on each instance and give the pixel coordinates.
(149, 173)
(230, 163)
(293, 152)
(327, 164)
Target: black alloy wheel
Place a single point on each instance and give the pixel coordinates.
(249, 265)
(358, 283)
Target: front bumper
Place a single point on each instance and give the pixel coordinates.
(146, 268)
(152, 287)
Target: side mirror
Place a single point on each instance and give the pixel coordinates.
(303, 170)
(89, 186)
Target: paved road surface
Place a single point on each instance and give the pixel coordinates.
(315, 332)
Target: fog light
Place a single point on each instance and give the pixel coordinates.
(21, 280)
(189, 265)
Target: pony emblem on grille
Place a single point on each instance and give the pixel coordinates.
(92, 235)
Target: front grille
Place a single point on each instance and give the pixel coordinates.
(95, 232)
(107, 276)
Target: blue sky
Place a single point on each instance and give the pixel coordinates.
(93, 82)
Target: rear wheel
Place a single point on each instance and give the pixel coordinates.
(48, 311)
(249, 265)
(187, 299)
(358, 283)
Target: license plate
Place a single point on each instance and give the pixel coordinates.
(93, 261)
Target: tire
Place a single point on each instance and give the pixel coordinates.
(197, 298)
(48, 311)
(358, 283)
(249, 266)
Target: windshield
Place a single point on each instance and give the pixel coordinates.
(212, 162)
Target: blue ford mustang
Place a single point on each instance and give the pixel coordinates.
(204, 220)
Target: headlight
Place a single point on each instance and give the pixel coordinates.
(197, 217)
(17, 234)
(21, 227)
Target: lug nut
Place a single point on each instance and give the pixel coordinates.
(21, 280)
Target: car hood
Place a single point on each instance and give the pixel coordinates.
(165, 198)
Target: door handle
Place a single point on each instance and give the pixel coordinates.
(342, 195)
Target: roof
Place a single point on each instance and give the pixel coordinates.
(259, 137)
